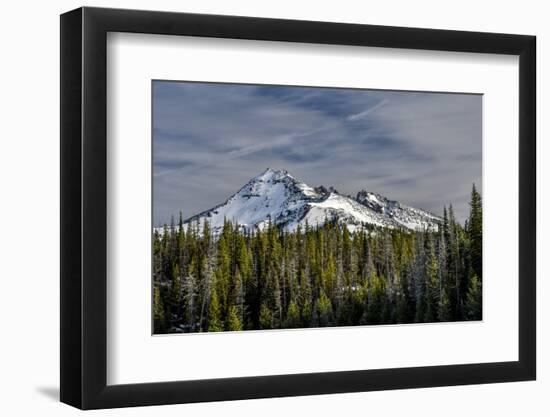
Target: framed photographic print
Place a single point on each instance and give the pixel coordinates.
(258, 208)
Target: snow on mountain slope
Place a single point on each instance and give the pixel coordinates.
(344, 210)
(276, 196)
(405, 216)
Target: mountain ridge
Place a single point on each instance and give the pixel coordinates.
(276, 196)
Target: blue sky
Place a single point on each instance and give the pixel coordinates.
(209, 139)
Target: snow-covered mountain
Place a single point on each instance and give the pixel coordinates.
(276, 196)
(404, 216)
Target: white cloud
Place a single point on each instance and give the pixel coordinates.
(365, 113)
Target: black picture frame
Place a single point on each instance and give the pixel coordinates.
(84, 207)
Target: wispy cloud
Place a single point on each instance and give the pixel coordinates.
(282, 141)
(365, 113)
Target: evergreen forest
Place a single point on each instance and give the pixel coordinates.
(316, 276)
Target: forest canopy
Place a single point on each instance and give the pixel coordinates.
(316, 276)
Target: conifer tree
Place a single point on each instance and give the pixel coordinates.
(292, 316)
(324, 310)
(432, 288)
(475, 232)
(404, 313)
(190, 291)
(376, 306)
(223, 268)
(215, 323)
(239, 296)
(473, 299)
(175, 295)
(158, 312)
(266, 317)
(233, 322)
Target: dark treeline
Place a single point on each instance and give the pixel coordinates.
(315, 277)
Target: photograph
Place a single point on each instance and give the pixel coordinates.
(268, 204)
(279, 207)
